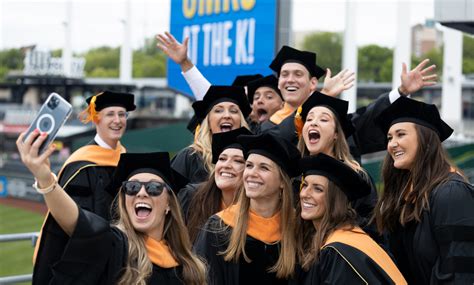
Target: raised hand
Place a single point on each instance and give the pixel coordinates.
(38, 165)
(175, 50)
(333, 86)
(417, 78)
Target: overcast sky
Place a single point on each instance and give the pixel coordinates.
(98, 22)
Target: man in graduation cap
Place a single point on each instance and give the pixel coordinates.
(298, 75)
(264, 97)
(199, 84)
(87, 174)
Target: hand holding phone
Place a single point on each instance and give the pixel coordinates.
(52, 115)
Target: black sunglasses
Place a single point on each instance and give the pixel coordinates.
(153, 188)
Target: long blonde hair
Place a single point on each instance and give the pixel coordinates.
(138, 266)
(285, 265)
(203, 141)
(340, 148)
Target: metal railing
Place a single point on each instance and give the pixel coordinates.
(33, 236)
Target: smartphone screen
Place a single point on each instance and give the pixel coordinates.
(52, 115)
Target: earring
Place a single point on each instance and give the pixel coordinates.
(167, 210)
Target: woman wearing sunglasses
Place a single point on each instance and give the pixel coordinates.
(146, 244)
(220, 191)
(253, 242)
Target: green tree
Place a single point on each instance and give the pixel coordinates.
(468, 55)
(328, 47)
(149, 61)
(10, 59)
(375, 64)
(102, 62)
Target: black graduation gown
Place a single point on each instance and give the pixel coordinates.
(333, 268)
(95, 254)
(214, 238)
(351, 257)
(190, 165)
(88, 185)
(440, 248)
(185, 196)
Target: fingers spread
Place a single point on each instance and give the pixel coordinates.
(422, 64)
(328, 73)
(171, 37)
(404, 68)
(428, 69)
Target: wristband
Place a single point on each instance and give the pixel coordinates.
(48, 189)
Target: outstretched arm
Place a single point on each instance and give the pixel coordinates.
(333, 86)
(178, 53)
(61, 206)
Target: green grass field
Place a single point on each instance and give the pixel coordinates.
(16, 257)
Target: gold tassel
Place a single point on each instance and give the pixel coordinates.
(299, 122)
(90, 113)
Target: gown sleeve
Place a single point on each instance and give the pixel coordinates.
(190, 165)
(369, 136)
(94, 254)
(197, 82)
(209, 243)
(452, 223)
(185, 196)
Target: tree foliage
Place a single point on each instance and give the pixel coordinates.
(149, 61)
(375, 64)
(10, 59)
(328, 47)
(468, 55)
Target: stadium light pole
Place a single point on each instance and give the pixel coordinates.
(126, 49)
(349, 53)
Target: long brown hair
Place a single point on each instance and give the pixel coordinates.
(338, 214)
(139, 267)
(285, 265)
(406, 192)
(206, 202)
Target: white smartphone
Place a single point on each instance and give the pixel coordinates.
(52, 115)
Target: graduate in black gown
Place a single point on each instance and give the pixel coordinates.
(252, 242)
(220, 191)
(222, 109)
(87, 174)
(148, 242)
(427, 205)
(298, 76)
(323, 126)
(332, 249)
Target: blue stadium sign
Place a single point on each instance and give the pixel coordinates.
(226, 38)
